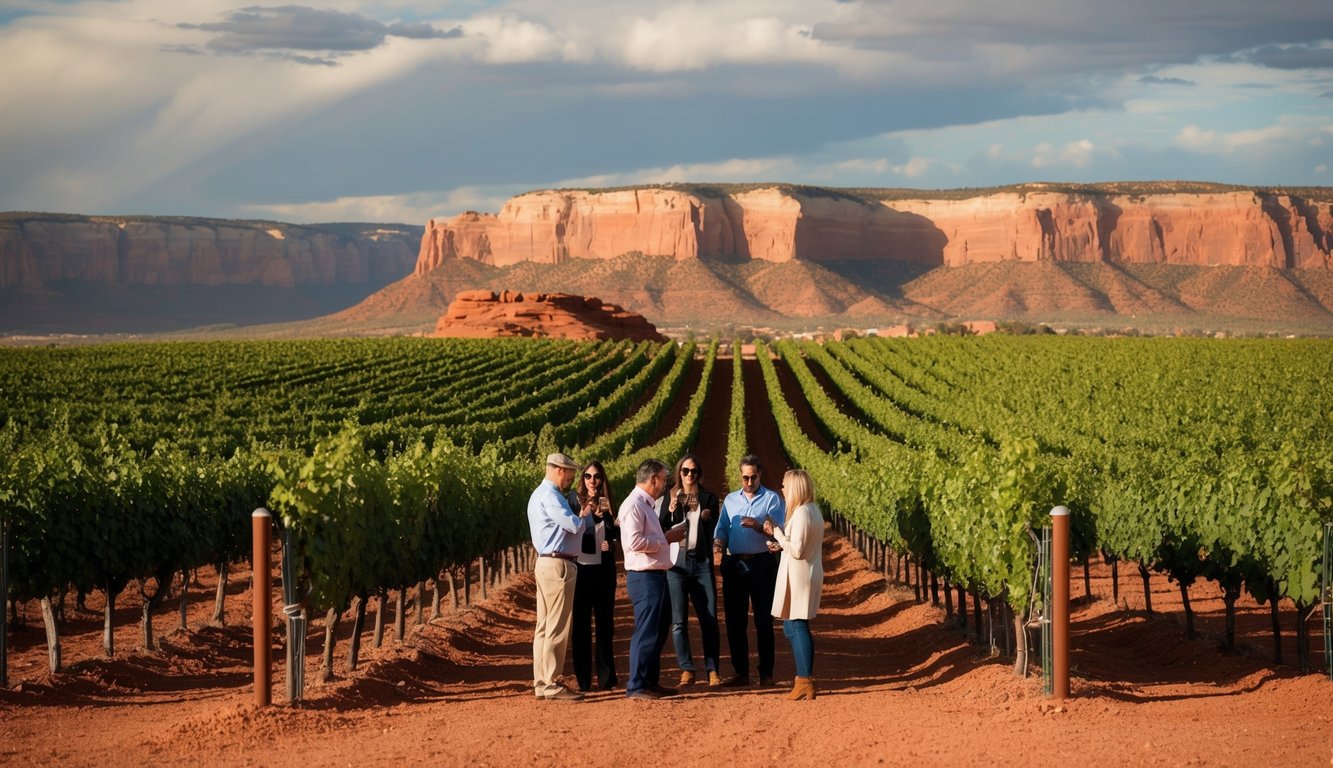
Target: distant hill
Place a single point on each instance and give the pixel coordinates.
(1157, 256)
(93, 274)
(678, 296)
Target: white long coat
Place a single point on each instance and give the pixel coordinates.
(801, 572)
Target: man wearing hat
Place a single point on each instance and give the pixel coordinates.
(557, 533)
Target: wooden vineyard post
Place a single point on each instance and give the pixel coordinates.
(262, 525)
(1060, 601)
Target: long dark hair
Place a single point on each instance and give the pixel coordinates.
(583, 484)
(698, 471)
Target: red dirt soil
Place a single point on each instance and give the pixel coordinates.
(895, 687)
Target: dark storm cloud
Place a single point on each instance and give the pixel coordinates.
(288, 28)
(1155, 80)
(1092, 36)
(1313, 56)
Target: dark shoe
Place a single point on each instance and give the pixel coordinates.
(735, 681)
(644, 694)
(664, 692)
(766, 681)
(564, 694)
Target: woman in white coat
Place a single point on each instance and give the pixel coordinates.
(800, 575)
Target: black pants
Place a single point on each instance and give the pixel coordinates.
(594, 599)
(747, 587)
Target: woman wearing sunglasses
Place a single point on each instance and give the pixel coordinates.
(691, 579)
(595, 587)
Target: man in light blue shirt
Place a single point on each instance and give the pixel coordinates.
(749, 569)
(557, 534)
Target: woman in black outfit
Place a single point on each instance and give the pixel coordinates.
(691, 578)
(595, 586)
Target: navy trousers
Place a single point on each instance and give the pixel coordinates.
(647, 593)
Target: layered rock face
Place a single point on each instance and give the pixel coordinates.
(487, 314)
(1228, 228)
(36, 251)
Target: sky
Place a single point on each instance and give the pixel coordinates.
(400, 111)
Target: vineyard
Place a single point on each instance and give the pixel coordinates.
(399, 469)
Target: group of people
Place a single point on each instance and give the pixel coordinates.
(669, 530)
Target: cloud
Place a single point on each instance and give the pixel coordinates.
(279, 31)
(1155, 80)
(879, 166)
(509, 39)
(733, 170)
(690, 37)
(1315, 55)
(1197, 139)
(1075, 154)
(1321, 168)
(412, 208)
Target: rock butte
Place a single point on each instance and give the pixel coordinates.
(1226, 228)
(38, 250)
(487, 314)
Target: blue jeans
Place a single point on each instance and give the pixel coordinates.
(647, 592)
(694, 584)
(802, 645)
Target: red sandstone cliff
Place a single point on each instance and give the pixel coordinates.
(483, 314)
(37, 250)
(1216, 226)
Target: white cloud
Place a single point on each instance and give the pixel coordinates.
(1077, 153)
(735, 170)
(414, 208)
(693, 37)
(507, 39)
(879, 166)
(1197, 139)
(1321, 168)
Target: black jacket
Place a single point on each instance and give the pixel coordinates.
(709, 508)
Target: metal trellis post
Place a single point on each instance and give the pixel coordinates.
(296, 622)
(1326, 597)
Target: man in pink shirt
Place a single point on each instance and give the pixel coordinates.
(647, 558)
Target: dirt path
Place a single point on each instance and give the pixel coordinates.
(895, 687)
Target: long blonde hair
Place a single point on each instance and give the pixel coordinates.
(797, 489)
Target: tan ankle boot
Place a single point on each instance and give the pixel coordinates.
(804, 688)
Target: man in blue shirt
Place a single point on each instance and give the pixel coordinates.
(749, 569)
(557, 534)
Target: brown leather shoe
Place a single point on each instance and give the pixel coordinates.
(686, 678)
(663, 691)
(564, 694)
(714, 679)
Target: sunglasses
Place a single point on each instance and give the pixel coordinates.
(689, 471)
(591, 476)
(749, 478)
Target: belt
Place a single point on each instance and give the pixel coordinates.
(571, 558)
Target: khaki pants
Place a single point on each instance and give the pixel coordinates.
(555, 578)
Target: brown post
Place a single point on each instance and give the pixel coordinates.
(262, 523)
(1060, 602)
